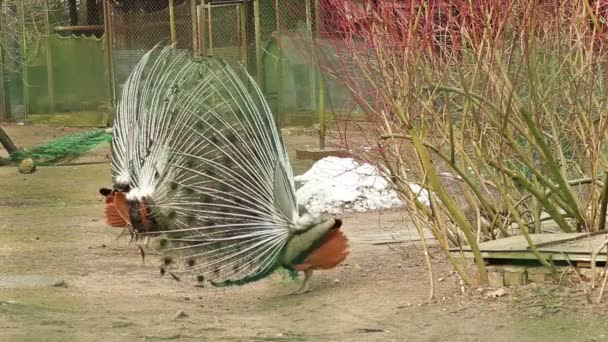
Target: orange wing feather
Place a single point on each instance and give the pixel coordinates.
(113, 217)
(331, 253)
(122, 206)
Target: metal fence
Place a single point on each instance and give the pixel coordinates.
(250, 33)
(47, 60)
(52, 58)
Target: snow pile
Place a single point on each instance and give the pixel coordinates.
(334, 184)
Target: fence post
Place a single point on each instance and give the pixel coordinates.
(26, 91)
(200, 14)
(242, 13)
(312, 73)
(210, 29)
(322, 120)
(193, 17)
(108, 27)
(49, 59)
(280, 114)
(172, 23)
(258, 43)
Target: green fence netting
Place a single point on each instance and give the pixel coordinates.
(78, 72)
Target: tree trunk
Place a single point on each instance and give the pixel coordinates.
(6, 141)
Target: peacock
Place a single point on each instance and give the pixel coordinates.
(201, 174)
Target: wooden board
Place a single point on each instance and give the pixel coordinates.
(559, 246)
(519, 243)
(530, 256)
(585, 246)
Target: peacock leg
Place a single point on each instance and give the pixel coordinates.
(304, 287)
(141, 249)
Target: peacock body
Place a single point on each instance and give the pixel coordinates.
(201, 173)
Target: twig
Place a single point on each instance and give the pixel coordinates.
(593, 259)
(604, 203)
(599, 297)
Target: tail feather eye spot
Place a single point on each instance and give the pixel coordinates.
(231, 137)
(227, 161)
(190, 219)
(209, 172)
(191, 163)
(163, 243)
(223, 187)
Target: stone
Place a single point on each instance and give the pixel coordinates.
(537, 278)
(538, 270)
(496, 279)
(515, 275)
(496, 293)
(539, 274)
(27, 165)
(180, 314)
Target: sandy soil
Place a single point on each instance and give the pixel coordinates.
(51, 224)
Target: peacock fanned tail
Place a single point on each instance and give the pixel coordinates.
(199, 149)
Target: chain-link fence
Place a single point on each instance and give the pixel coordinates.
(59, 58)
(271, 38)
(137, 26)
(257, 34)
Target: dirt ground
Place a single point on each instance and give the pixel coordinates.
(51, 224)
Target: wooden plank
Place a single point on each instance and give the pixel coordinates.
(577, 246)
(529, 256)
(79, 28)
(519, 243)
(571, 238)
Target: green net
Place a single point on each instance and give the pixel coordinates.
(64, 148)
(78, 74)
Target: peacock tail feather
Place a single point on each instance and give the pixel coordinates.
(69, 146)
(198, 147)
